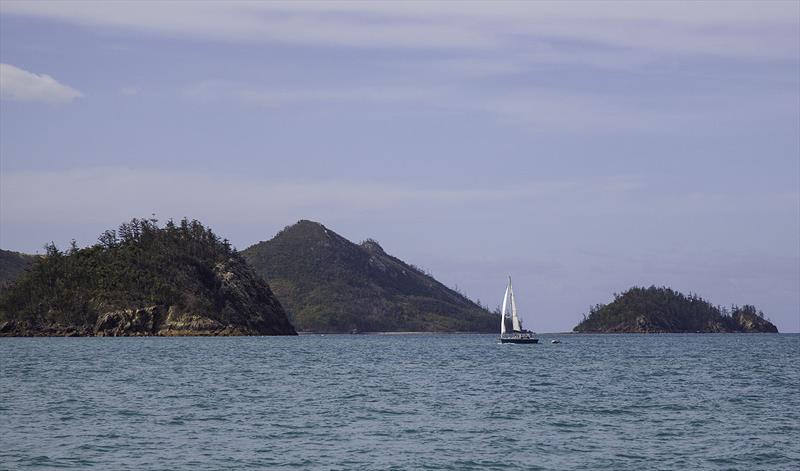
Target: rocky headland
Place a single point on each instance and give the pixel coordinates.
(180, 279)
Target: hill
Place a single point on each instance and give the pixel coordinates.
(659, 310)
(329, 284)
(143, 280)
(12, 265)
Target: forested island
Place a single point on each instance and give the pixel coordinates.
(662, 310)
(329, 284)
(142, 279)
(182, 279)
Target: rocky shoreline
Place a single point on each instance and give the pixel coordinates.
(159, 321)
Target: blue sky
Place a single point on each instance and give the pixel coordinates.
(583, 147)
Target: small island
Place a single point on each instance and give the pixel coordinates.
(141, 280)
(663, 310)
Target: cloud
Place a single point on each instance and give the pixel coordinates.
(536, 108)
(475, 67)
(209, 91)
(550, 31)
(131, 91)
(112, 193)
(21, 85)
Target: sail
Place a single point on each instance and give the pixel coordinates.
(514, 317)
(503, 313)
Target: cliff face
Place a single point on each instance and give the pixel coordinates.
(662, 310)
(749, 320)
(176, 280)
(329, 284)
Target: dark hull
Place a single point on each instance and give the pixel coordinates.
(518, 340)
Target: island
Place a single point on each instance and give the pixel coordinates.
(140, 280)
(330, 284)
(663, 310)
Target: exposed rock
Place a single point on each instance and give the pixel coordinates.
(750, 321)
(129, 322)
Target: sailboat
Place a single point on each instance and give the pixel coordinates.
(519, 335)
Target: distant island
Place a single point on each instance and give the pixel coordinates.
(329, 284)
(662, 310)
(182, 279)
(142, 279)
(13, 265)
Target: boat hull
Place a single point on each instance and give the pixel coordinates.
(518, 340)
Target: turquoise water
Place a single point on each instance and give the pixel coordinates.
(616, 402)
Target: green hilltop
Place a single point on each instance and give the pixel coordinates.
(661, 310)
(329, 284)
(180, 279)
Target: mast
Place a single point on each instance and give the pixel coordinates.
(514, 318)
(503, 313)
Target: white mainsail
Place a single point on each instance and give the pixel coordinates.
(518, 335)
(515, 323)
(503, 313)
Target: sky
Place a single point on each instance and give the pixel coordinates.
(581, 147)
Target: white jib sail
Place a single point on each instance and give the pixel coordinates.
(503, 313)
(517, 326)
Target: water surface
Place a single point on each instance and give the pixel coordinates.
(616, 402)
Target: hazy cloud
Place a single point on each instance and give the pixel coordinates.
(530, 107)
(21, 85)
(752, 30)
(131, 91)
(220, 90)
(89, 194)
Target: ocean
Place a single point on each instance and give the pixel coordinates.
(445, 402)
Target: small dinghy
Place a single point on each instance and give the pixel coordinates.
(519, 335)
(555, 341)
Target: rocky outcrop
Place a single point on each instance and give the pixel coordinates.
(149, 321)
(751, 321)
(26, 328)
(129, 322)
(163, 321)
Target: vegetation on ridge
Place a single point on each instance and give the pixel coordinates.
(329, 284)
(13, 265)
(663, 310)
(197, 281)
